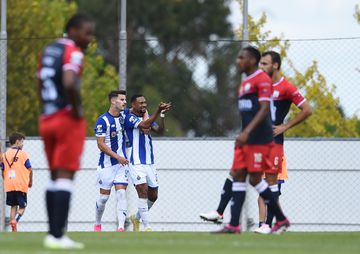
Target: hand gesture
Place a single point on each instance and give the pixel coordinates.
(278, 129)
(164, 107)
(123, 161)
(241, 139)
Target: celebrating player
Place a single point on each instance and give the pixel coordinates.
(142, 169)
(112, 167)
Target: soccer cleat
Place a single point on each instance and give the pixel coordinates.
(280, 226)
(212, 216)
(135, 222)
(120, 230)
(148, 229)
(264, 229)
(13, 225)
(228, 229)
(62, 243)
(97, 227)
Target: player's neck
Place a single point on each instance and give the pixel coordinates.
(251, 71)
(114, 112)
(136, 113)
(276, 77)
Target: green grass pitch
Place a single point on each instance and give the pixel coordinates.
(188, 243)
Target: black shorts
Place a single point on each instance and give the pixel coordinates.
(14, 198)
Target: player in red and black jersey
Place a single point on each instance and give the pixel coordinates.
(61, 124)
(284, 94)
(253, 144)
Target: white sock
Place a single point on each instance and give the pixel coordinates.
(100, 207)
(121, 207)
(144, 211)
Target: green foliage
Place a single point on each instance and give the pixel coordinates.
(328, 119)
(31, 26)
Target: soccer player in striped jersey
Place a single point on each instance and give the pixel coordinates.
(284, 94)
(112, 168)
(142, 169)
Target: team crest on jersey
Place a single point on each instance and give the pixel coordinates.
(113, 134)
(276, 94)
(77, 58)
(247, 87)
(258, 157)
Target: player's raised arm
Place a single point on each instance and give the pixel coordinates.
(159, 129)
(147, 123)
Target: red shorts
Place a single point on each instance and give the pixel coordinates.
(276, 159)
(253, 158)
(64, 138)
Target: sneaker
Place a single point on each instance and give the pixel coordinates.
(280, 226)
(97, 227)
(64, 242)
(228, 229)
(120, 230)
(148, 229)
(263, 229)
(212, 216)
(135, 222)
(13, 224)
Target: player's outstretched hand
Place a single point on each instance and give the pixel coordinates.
(164, 107)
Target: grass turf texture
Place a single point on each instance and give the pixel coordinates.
(188, 243)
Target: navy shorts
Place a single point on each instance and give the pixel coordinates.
(16, 198)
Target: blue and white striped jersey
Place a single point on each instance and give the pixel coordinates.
(141, 144)
(112, 128)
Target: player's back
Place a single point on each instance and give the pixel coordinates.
(57, 57)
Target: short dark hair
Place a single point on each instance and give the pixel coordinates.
(254, 53)
(135, 96)
(115, 93)
(16, 136)
(275, 57)
(76, 21)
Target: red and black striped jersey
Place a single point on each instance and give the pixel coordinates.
(284, 93)
(60, 56)
(255, 88)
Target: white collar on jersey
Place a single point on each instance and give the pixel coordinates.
(253, 74)
(281, 80)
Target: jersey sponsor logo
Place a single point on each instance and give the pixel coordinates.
(99, 128)
(76, 58)
(245, 104)
(132, 119)
(48, 60)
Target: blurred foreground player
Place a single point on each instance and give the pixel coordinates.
(62, 125)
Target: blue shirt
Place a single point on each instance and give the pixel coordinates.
(141, 144)
(112, 128)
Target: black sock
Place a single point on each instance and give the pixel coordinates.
(272, 205)
(61, 212)
(238, 198)
(225, 196)
(270, 214)
(49, 196)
